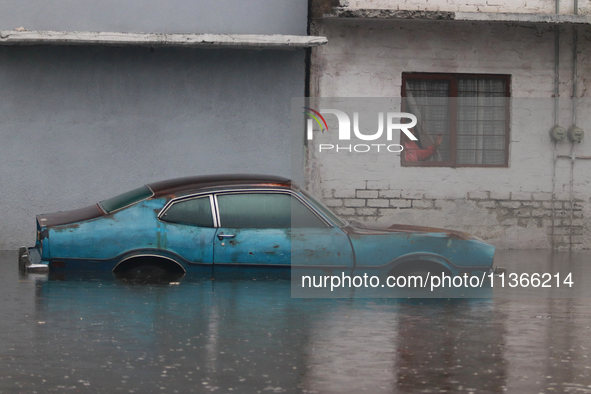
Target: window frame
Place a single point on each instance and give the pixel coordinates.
(312, 209)
(181, 200)
(453, 111)
(215, 207)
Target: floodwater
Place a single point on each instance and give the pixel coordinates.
(248, 335)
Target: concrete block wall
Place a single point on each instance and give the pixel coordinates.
(563, 223)
(82, 124)
(367, 58)
(511, 207)
(509, 6)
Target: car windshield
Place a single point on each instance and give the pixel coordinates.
(338, 221)
(126, 199)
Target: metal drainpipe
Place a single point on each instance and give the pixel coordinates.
(555, 158)
(572, 156)
(574, 121)
(556, 116)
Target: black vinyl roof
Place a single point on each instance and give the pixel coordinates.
(178, 186)
(192, 183)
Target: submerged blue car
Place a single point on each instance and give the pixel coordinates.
(194, 224)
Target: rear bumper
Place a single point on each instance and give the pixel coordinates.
(29, 261)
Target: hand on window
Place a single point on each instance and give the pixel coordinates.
(438, 140)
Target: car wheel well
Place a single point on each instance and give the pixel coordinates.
(149, 263)
(416, 266)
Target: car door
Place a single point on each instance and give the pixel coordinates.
(276, 228)
(187, 228)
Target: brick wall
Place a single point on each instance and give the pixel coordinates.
(517, 6)
(513, 210)
(510, 207)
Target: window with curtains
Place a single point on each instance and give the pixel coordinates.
(463, 120)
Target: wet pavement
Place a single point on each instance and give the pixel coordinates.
(100, 334)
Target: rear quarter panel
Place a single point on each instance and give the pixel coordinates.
(109, 236)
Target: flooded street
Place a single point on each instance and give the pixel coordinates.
(101, 334)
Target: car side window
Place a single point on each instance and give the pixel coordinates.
(265, 210)
(195, 212)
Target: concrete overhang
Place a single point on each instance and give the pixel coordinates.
(257, 41)
(389, 14)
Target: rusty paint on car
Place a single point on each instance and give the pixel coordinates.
(105, 239)
(68, 227)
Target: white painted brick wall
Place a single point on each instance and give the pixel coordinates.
(520, 196)
(367, 194)
(492, 219)
(354, 203)
(509, 207)
(519, 6)
(381, 203)
(390, 193)
(344, 193)
(400, 203)
(423, 204)
(478, 195)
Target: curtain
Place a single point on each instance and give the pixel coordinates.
(481, 117)
(481, 121)
(427, 100)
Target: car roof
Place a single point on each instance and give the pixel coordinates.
(182, 186)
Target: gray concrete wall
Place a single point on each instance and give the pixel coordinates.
(171, 16)
(80, 124)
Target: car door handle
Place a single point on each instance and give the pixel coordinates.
(222, 236)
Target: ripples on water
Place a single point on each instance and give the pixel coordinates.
(101, 334)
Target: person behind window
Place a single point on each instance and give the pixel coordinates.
(413, 151)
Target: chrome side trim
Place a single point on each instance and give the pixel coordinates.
(101, 208)
(149, 255)
(217, 211)
(179, 199)
(214, 214)
(37, 268)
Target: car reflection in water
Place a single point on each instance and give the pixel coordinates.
(100, 334)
